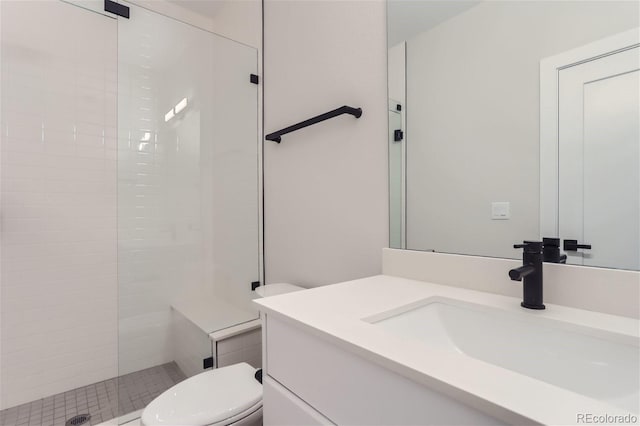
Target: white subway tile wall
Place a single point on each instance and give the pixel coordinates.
(58, 199)
(246, 347)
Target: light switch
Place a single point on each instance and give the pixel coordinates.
(500, 210)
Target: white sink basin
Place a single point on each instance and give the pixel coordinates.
(591, 362)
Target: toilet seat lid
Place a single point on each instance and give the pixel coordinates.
(206, 398)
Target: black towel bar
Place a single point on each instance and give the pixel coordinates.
(276, 136)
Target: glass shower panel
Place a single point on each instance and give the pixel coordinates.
(187, 192)
(58, 243)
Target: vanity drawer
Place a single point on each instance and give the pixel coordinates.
(282, 408)
(349, 389)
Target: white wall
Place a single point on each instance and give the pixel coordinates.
(473, 118)
(239, 20)
(397, 73)
(326, 186)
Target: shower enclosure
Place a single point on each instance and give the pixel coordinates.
(129, 205)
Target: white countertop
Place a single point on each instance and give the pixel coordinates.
(337, 311)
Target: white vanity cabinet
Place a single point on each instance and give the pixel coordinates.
(310, 380)
(448, 356)
(284, 408)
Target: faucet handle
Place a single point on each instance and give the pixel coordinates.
(530, 246)
(572, 245)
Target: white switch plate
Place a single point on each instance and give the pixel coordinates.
(501, 210)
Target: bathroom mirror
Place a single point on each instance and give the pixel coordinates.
(515, 120)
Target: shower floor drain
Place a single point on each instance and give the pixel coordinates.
(78, 420)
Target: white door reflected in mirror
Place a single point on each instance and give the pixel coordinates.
(598, 148)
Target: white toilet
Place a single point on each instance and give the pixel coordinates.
(225, 396)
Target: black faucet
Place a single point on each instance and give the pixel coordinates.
(551, 251)
(531, 271)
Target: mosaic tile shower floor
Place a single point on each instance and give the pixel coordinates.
(103, 400)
